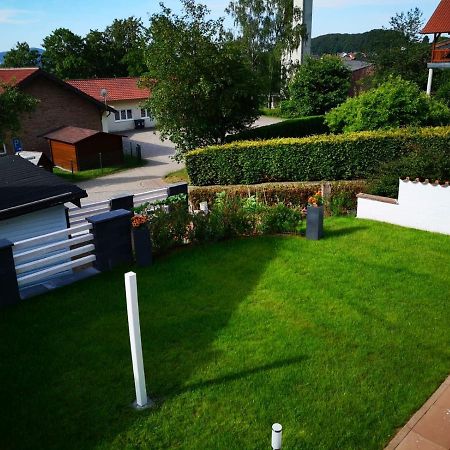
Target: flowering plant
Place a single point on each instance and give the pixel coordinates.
(139, 220)
(316, 199)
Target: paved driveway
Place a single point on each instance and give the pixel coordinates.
(140, 179)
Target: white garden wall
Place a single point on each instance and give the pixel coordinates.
(425, 206)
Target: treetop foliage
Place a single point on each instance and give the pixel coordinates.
(202, 83)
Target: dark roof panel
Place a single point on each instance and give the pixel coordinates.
(71, 135)
(26, 188)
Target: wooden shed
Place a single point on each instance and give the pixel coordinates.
(74, 148)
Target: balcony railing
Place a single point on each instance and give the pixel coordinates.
(441, 52)
(440, 55)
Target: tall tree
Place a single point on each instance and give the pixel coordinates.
(409, 23)
(64, 54)
(126, 40)
(13, 104)
(267, 29)
(22, 56)
(202, 84)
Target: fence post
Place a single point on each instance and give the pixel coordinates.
(112, 239)
(122, 202)
(8, 278)
(134, 328)
(177, 189)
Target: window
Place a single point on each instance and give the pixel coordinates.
(123, 114)
(144, 113)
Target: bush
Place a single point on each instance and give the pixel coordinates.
(230, 216)
(340, 157)
(396, 103)
(300, 127)
(422, 165)
(317, 86)
(289, 194)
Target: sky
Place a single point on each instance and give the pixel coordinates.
(32, 20)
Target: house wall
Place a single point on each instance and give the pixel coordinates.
(110, 124)
(34, 224)
(57, 107)
(357, 83)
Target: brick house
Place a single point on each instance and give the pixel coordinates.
(60, 104)
(124, 95)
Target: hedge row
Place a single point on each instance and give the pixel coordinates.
(295, 194)
(301, 127)
(333, 157)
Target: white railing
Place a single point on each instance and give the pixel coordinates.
(78, 216)
(40, 258)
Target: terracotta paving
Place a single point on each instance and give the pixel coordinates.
(428, 428)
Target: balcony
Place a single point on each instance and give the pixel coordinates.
(441, 52)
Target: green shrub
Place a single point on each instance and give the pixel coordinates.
(230, 216)
(422, 165)
(396, 103)
(290, 194)
(300, 127)
(333, 157)
(317, 86)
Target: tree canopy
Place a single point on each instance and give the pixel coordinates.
(317, 86)
(13, 103)
(22, 56)
(202, 84)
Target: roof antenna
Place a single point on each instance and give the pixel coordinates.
(104, 94)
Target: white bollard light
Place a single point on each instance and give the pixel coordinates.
(142, 401)
(204, 207)
(277, 434)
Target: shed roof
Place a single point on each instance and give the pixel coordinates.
(26, 188)
(440, 20)
(71, 135)
(125, 88)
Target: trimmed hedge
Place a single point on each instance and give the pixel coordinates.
(300, 127)
(291, 194)
(333, 157)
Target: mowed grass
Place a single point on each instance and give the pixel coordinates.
(129, 162)
(339, 340)
(177, 176)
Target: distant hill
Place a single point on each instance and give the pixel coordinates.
(2, 54)
(368, 42)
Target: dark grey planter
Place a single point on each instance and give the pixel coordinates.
(314, 223)
(142, 245)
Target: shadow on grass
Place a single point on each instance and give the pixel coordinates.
(244, 374)
(329, 234)
(65, 360)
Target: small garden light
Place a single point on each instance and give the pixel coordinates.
(277, 434)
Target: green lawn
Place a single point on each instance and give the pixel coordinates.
(177, 176)
(83, 175)
(339, 340)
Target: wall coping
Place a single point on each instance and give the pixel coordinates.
(107, 216)
(378, 198)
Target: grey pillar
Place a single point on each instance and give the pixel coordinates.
(112, 239)
(9, 294)
(178, 188)
(122, 202)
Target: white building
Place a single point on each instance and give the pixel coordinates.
(122, 94)
(297, 56)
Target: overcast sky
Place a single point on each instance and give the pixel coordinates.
(32, 20)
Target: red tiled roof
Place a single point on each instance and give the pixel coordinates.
(117, 88)
(440, 20)
(70, 135)
(16, 76)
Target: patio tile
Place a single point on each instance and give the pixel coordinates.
(435, 425)
(415, 441)
(398, 438)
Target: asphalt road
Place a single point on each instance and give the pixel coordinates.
(158, 155)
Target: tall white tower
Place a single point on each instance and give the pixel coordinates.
(298, 55)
